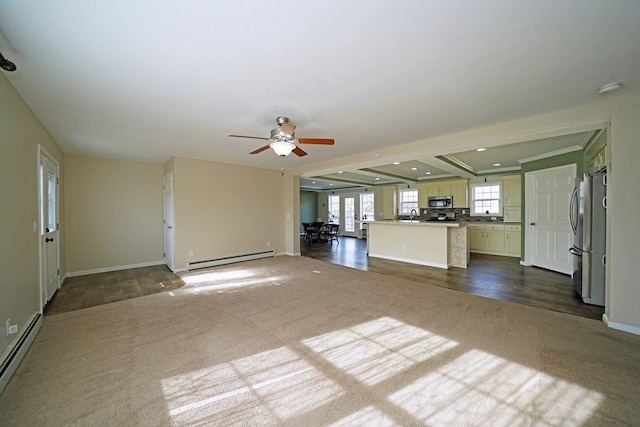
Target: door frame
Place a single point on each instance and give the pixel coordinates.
(168, 221)
(44, 157)
(343, 218)
(528, 214)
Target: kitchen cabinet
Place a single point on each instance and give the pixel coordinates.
(512, 236)
(599, 162)
(423, 195)
(460, 192)
(389, 202)
(495, 239)
(476, 237)
(458, 188)
(486, 238)
(597, 154)
(439, 189)
(512, 200)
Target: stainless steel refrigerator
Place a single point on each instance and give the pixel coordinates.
(588, 219)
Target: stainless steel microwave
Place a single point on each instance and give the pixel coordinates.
(440, 202)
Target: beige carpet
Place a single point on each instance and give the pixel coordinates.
(296, 341)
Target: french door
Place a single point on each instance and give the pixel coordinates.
(348, 223)
(48, 226)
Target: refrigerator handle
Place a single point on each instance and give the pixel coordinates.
(572, 210)
(604, 202)
(604, 260)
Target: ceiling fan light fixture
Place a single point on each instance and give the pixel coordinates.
(282, 148)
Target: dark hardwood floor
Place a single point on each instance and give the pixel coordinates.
(496, 277)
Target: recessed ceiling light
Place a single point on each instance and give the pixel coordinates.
(396, 163)
(377, 179)
(481, 149)
(331, 183)
(414, 169)
(497, 164)
(609, 87)
(339, 171)
(428, 173)
(313, 182)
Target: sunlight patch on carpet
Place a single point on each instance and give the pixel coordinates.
(377, 350)
(479, 388)
(262, 389)
(226, 280)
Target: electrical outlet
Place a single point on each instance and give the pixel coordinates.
(268, 244)
(190, 254)
(9, 328)
(404, 247)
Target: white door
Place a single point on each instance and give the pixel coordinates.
(167, 185)
(48, 226)
(348, 223)
(548, 228)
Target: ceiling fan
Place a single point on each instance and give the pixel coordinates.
(284, 141)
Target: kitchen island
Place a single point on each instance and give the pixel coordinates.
(441, 244)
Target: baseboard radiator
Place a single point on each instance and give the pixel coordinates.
(229, 260)
(14, 354)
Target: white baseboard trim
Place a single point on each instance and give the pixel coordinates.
(410, 261)
(115, 268)
(13, 355)
(620, 326)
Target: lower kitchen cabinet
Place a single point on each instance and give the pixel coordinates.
(494, 239)
(512, 238)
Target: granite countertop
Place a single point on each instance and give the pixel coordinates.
(416, 222)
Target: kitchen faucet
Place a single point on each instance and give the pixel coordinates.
(413, 211)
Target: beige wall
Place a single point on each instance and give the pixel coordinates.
(224, 210)
(21, 132)
(114, 211)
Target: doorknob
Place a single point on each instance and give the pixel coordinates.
(48, 239)
(533, 223)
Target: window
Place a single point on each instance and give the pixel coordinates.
(367, 209)
(334, 208)
(408, 201)
(486, 199)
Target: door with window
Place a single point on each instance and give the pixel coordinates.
(348, 223)
(48, 226)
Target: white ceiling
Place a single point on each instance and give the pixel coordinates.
(149, 80)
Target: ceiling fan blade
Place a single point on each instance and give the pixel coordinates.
(287, 128)
(299, 152)
(321, 141)
(252, 137)
(260, 150)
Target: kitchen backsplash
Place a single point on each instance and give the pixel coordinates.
(462, 217)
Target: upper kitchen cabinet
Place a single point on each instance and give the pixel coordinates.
(389, 202)
(460, 192)
(458, 188)
(597, 154)
(512, 200)
(442, 188)
(423, 195)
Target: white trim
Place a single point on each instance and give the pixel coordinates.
(12, 356)
(410, 261)
(550, 154)
(620, 326)
(115, 268)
